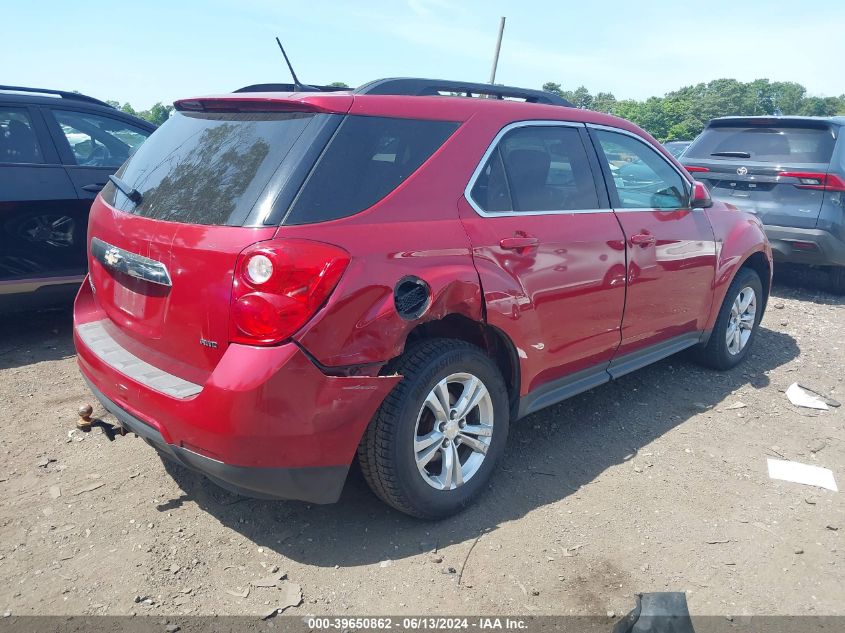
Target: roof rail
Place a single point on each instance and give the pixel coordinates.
(289, 88)
(427, 87)
(75, 96)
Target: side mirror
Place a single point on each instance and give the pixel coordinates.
(700, 196)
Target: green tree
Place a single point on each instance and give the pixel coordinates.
(604, 102)
(552, 87)
(158, 114)
(683, 113)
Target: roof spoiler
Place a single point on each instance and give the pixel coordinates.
(289, 88)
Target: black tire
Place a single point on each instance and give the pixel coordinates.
(386, 453)
(837, 280)
(715, 353)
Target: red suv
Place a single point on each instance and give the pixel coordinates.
(281, 283)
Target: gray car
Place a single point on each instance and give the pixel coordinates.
(790, 172)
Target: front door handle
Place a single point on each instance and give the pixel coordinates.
(94, 187)
(643, 239)
(516, 243)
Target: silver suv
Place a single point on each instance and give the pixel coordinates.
(788, 170)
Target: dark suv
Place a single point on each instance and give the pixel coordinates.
(281, 283)
(790, 172)
(57, 150)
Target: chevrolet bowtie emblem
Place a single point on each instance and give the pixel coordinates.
(112, 256)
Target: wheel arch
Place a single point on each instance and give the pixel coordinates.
(495, 343)
(758, 262)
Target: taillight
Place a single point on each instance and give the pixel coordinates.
(816, 180)
(693, 168)
(279, 285)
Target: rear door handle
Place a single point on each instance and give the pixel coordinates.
(643, 239)
(94, 188)
(515, 243)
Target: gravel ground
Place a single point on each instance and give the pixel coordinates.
(656, 482)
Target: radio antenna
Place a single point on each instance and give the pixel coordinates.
(297, 85)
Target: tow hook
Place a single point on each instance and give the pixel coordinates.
(85, 423)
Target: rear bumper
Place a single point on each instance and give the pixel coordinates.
(316, 485)
(266, 423)
(821, 248)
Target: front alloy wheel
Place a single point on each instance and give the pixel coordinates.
(742, 320)
(737, 322)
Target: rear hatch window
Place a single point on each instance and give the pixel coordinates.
(769, 144)
(207, 168)
(752, 165)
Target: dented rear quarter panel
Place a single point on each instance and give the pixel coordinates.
(413, 231)
(738, 236)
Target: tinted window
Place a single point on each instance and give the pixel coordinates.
(642, 177)
(99, 141)
(764, 144)
(18, 143)
(207, 168)
(537, 168)
(367, 159)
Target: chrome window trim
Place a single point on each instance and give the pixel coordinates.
(491, 148)
(685, 177)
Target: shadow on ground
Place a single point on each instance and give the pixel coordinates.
(550, 455)
(805, 284)
(32, 337)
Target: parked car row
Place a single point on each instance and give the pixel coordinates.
(282, 283)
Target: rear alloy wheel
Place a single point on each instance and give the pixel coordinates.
(434, 442)
(454, 431)
(736, 324)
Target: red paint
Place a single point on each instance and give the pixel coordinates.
(738, 236)
(570, 291)
(560, 302)
(671, 263)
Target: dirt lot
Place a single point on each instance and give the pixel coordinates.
(657, 482)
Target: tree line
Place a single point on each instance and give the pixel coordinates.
(682, 114)
(678, 115)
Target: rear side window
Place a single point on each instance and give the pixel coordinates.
(18, 143)
(207, 168)
(535, 169)
(794, 145)
(367, 159)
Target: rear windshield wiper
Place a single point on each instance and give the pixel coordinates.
(130, 192)
(732, 154)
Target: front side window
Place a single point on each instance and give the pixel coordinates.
(18, 143)
(98, 141)
(537, 168)
(642, 177)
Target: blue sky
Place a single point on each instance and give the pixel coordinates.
(161, 50)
